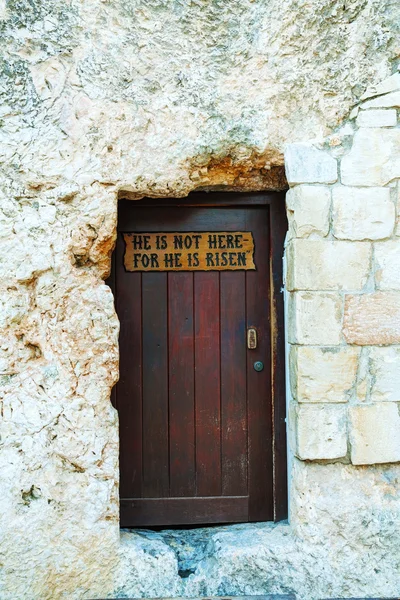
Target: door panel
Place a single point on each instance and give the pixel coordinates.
(195, 417)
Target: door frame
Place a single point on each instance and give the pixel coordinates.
(277, 228)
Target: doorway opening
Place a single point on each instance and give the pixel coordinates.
(201, 397)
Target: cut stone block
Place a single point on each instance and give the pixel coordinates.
(308, 210)
(374, 158)
(323, 374)
(387, 260)
(377, 118)
(321, 432)
(390, 84)
(384, 364)
(372, 319)
(362, 214)
(306, 164)
(375, 433)
(326, 265)
(387, 101)
(397, 225)
(315, 318)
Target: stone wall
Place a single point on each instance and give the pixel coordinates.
(343, 257)
(154, 98)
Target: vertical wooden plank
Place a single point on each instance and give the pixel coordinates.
(259, 383)
(155, 385)
(207, 384)
(233, 383)
(129, 387)
(279, 228)
(181, 385)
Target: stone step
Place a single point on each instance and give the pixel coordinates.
(263, 597)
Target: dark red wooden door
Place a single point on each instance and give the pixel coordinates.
(196, 433)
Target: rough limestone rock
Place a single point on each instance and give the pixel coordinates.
(339, 512)
(162, 97)
(149, 97)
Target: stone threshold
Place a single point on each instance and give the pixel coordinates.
(264, 597)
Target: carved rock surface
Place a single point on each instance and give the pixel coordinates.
(144, 97)
(345, 519)
(159, 98)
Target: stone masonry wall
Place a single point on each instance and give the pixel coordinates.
(343, 259)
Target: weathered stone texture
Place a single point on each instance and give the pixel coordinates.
(315, 318)
(375, 433)
(384, 101)
(364, 377)
(387, 265)
(306, 164)
(338, 513)
(397, 226)
(321, 432)
(213, 80)
(372, 319)
(308, 209)
(100, 99)
(384, 365)
(362, 505)
(362, 214)
(323, 374)
(326, 265)
(374, 158)
(377, 118)
(389, 84)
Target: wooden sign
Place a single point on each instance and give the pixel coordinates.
(189, 251)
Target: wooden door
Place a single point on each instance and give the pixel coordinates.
(197, 439)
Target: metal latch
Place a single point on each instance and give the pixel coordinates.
(252, 338)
